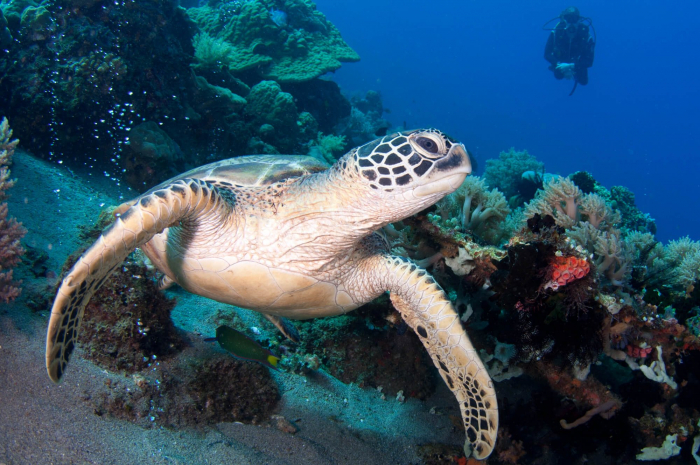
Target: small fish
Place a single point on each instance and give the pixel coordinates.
(243, 347)
(279, 17)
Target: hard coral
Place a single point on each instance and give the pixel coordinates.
(302, 48)
(565, 270)
(154, 156)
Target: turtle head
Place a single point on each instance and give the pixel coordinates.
(419, 166)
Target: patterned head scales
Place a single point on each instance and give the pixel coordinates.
(406, 159)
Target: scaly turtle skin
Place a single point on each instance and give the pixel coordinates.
(286, 237)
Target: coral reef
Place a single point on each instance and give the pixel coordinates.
(559, 199)
(5, 34)
(201, 387)
(274, 113)
(584, 181)
(323, 100)
(327, 147)
(127, 323)
(153, 155)
(10, 230)
(371, 347)
(68, 68)
(219, 80)
(245, 37)
(365, 121)
(479, 211)
(506, 174)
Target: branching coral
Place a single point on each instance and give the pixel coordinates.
(10, 230)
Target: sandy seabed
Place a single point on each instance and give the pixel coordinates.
(45, 423)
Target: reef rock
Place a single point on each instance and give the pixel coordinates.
(302, 47)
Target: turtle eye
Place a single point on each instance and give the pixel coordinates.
(428, 144)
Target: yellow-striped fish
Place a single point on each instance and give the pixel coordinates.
(241, 346)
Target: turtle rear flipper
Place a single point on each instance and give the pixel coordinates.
(149, 215)
(425, 307)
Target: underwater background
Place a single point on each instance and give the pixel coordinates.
(572, 253)
(477, 70)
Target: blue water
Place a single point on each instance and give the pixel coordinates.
(476, 70)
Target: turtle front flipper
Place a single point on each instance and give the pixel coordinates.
(148, 216)
(426, 309)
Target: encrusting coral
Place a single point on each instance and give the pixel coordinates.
(10, 230)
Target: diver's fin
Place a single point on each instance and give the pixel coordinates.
(285, 326)
(145, 217)
(574, 89)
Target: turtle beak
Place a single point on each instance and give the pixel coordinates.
(447, 174)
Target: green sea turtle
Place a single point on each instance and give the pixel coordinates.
(289, 237)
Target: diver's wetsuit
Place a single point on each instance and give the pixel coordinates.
(570, 46)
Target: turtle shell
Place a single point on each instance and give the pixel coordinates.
(253, 170)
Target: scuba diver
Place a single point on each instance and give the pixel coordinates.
(570, 47)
